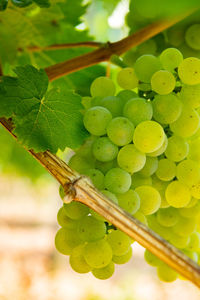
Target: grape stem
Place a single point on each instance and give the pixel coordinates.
(105, 51)
(83, 191)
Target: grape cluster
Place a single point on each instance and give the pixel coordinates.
(143, 153)
(184, 35)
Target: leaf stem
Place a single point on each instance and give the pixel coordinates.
(86, 193)
(65, 46)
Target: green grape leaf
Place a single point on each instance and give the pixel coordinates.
(42, 3)
(43, 119)
(73, 11)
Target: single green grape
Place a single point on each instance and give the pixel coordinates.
(96, 120)
(138, 110)
(177, 194)
(166, 170)
(189, 71)
(167, 216)
(150, 199)
(192, 36)
(177, 148)
(120, 131)
(98, 254)
(122, 259)
(104, 150)
(178, 241)
(129, 201)
(117, 181)
(185, 226)
(163, 82)
(127, 78)
(145, 66)
(64, 220)
(119, 242)
(165, 273)
(77, 261)
(131, 159)
(102, 87)
(151, 259)
(188, 172)
(166, 108)
(148, 136)
(65, 240)
(105, 272)
(150, 167)
(90, 229)
(189, 95)
(113, 104)
(97, 178)
(75, 210)
(171, 58)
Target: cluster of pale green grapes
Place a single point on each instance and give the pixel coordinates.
(144, 154)
(185, 35)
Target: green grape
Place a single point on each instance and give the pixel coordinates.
(64, 220)
(138, 110)
(102, 87)
(165, 273)
(160, 150)
(184, 226)
(177, 194)
(140, 217)
(194, 244)
(80, 164)
(148, 136)
(150, 167)
(187, 124)
(127, 79)
(189, 71)
(97, 178)
(122, 259)
(104, 150)
(65, 240)
(159, 229)
(150, 199)
(117, 181)
(105, 272)
(188, 172)
(192, 36)
(145, 66)
(192, 255)
(96, 120)
(177, 148)
(167, 216)
(161, 187)
(75, 210)
(104, 167)
(77, 261)
(163, 82)
(171, 58)
(166, 108)
(113, 104)
(194, 152)
(148, 47)
(189, 95)
(120, 131)
(129, 201)
(138, 179)
(86, 102)
(98, 254)
(190, 212)
(126, 95)
(178, 241)
(175, 35)
(90, 229)
(131, 159)
(119, 242)
(166, 169)
(151, 259)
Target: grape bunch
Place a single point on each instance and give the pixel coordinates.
(184, 35)
(143, 153)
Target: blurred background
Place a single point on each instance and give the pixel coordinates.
(30, 266)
